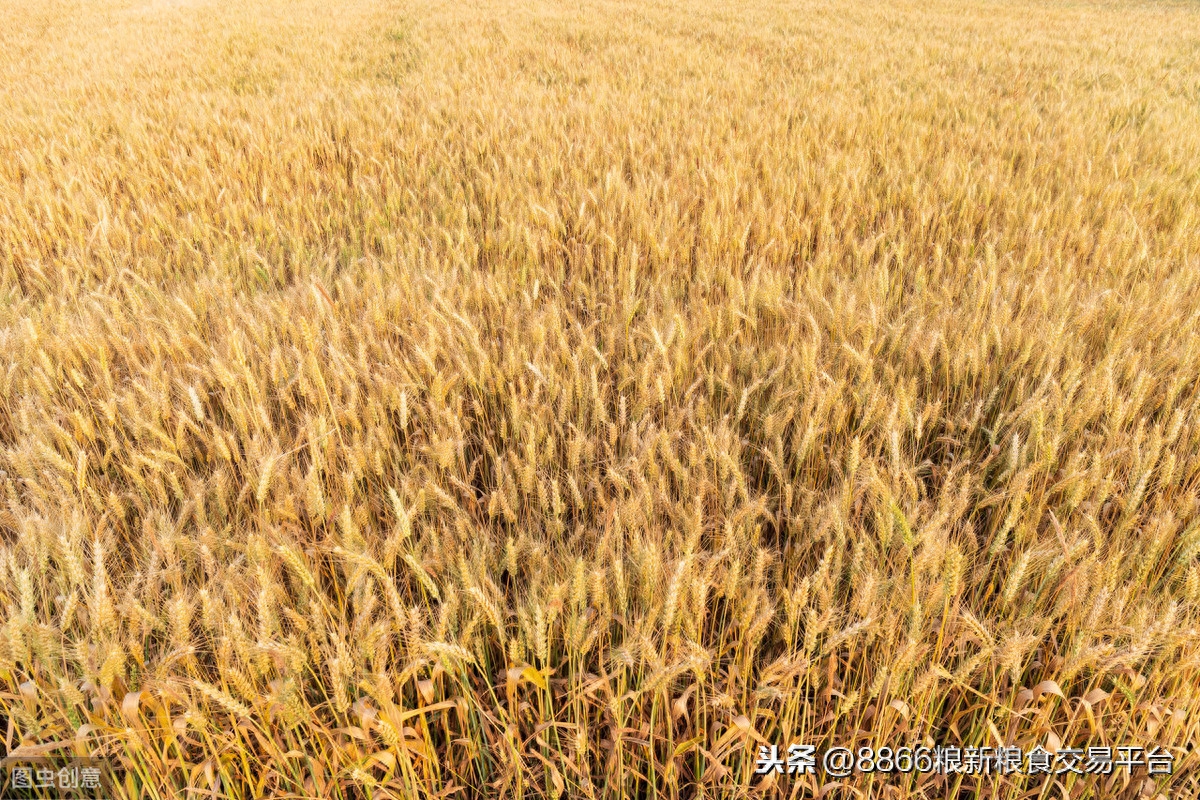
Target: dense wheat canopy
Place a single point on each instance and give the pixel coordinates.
(518, 398)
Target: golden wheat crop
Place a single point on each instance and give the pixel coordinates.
(518, 398)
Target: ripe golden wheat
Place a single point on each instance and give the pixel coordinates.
(527, 399)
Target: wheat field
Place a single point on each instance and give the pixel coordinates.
(532, 399)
